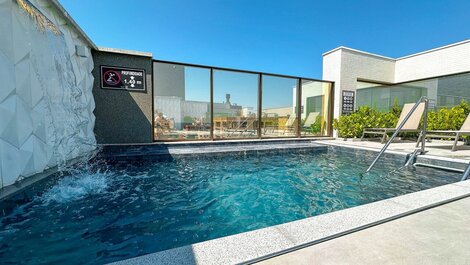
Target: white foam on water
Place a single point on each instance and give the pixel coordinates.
(76, 187)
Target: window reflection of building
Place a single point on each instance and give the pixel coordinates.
(183, 109)
(443, 92)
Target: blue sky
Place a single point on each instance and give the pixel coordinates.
(286, 37)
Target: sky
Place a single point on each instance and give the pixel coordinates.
(284, 37)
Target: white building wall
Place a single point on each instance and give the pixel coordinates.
(46, 102)
(310, 89)
(195, 109)
(445, 60)
(332, 72)
(170, 107)
(278, 112)
(344, 66)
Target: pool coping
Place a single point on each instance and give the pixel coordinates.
(253, 246)
(223, 141)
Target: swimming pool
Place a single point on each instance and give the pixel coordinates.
(112, 210)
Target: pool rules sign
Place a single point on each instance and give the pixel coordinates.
(122, 78)
(348, 102)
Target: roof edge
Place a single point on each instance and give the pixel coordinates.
(72, 22)
(435, 49)
(128, 52)
(359, 51)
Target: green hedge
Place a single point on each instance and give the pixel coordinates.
(351, 126)
(448, 118)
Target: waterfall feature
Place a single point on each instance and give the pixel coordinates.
(46, 100)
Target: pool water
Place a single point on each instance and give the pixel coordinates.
(105, 212)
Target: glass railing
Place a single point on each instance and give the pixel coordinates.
(193, 102)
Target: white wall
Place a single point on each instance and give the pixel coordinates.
(451, 59)
(344, 66)
(46, 102)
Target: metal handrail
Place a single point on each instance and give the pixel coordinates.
(466, 173)
(407, 117)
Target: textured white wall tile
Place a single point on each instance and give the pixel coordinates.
(11, 163)
(7, 75)
(46, 103)
(6, 41)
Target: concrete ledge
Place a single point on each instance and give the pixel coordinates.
(128, 52)
(172, 150)
(219, 142)
(265, 243)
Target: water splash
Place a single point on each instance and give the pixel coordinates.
(76, 187)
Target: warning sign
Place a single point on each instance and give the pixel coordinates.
(122, 78)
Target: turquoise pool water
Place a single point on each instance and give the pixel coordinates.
(106, 212)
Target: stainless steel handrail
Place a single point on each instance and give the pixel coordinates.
(466, 173)
(407, 117)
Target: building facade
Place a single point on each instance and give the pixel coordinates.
(379, 81)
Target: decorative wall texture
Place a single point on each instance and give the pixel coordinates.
(123, 116)
(46, 102)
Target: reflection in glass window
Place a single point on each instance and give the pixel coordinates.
(279, 114)
(181, 102)
(443, 92)
(235, 104)
(315, 108)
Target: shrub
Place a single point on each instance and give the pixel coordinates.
(317, 125)
(351, 126)
(448, 118)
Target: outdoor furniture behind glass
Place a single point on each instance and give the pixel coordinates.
(236, 126)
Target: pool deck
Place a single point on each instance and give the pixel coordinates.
(436, 236)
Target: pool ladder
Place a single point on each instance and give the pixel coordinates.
(466, 173)
(419, 150)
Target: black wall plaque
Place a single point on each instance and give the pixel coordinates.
(122, 78)
(348, 102)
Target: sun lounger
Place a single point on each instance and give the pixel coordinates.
(456, 135)
(410, 126)
(291, 124)
(311, 119)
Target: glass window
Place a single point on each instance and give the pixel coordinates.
(235, 104)
(181, 102)
(279, 102)
(315, 108)
(451, 90)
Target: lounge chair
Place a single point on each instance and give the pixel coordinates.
(456, 135)
(410, 126)
(311, 119)
(290, 124)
